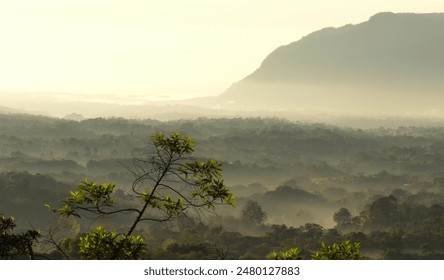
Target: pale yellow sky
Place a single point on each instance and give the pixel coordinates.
(175, 49)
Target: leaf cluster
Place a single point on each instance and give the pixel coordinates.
(175, 144)
(104, 245)
(206, 177)
(342, 251)
(345, 250)
(88, 196)
(291, 254)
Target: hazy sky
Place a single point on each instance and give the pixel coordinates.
(173, 48)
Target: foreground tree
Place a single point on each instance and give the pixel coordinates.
(291, 254)
(101, 245)
(15, 246)
(168, 182)
(338, 251)
(342, 251)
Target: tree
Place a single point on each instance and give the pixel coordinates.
(343, 218)
(253, 214)
(342, 251)
(168, 182)
(311, 231)
(102, 244)
(15, 246)
(384, 212)
(291, 254)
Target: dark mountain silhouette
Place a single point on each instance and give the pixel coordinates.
(390, 63)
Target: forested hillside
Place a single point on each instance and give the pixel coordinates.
(308, 182)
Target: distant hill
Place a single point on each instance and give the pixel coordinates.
(7, 110)
(390, 63)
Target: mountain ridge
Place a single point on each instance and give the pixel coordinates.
(387, 54)
(395, 25)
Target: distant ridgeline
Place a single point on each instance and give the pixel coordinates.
(390, 63)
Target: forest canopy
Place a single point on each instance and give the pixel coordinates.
(299, 184)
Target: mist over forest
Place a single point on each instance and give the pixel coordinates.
(337, 137)
(300, 174)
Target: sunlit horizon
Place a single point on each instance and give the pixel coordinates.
(159, 51)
